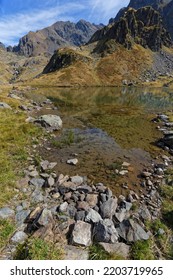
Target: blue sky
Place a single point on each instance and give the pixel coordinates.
(18, 17)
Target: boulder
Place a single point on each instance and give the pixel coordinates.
(19, 237)
(4, 105)
(93, 216)
(37, 182)
(45, 217)
(52, 122)
(104, 231)
(108, 208)
(6, 213)
(130, 231)
(74, 253)
(120, 249)
(81, 234)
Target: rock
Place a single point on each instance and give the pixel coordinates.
(73, 161)
(161, 231)
(77, 180)
(121, 215)
(63, 207)
(19, 237)
(50, 182)
(37, 196)
(125, 164)
(14, 96)
(92, 199)
(30, 120)
(81, 234)
(108, 208)
(123, 172)
(4, 105)
(37, 182)
(51, 122)
(144, 213)
(146, 174)
(56, 195)
(46, 165)
(84, 189)
(80, 216)
(130, 231)
(33, 173)
(6, 213)
(120, 249)
(71, 211)
(21, 216)
(45, 217)
(82, 205)
(73, 253)
(23, 108)
(104, 231)
(93, 216)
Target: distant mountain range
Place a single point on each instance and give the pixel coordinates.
(60, 34)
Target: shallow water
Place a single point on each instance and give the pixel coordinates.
(104, 127)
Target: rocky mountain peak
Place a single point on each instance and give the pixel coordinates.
(143, 26)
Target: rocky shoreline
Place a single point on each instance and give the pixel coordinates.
(74, 214)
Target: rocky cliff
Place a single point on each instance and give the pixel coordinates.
(143, 26)
(165, 8)
(59, 34)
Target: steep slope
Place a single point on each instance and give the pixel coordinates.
(59, 34)
(143, 26)
(133, 49)
(165, 8)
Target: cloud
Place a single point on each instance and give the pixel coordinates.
(15, 26)
(103, 10)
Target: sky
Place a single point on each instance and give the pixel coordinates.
(18, 17)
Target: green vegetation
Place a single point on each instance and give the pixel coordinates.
(6, 229)
(15, 136)
(96, 252)
(67, 140)
(38, 249)
(142, 250)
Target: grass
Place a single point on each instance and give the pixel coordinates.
(38, 249)
(141, 250)
(96, 252)
(6, 229)
(15, 137)
(67, 140)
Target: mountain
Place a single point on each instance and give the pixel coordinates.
(58, 35)
(165, 8)
(136, 48)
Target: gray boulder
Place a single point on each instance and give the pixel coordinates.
(104, 231)
(37, 182)
(81, 234)
(6, 213)
(4, 105)
(50, 121)
(45, 217)
(108, 208)
(131, 231)
(19, 237)
(93, 216)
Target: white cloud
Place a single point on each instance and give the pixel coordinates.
(106, 9)
(17, 25)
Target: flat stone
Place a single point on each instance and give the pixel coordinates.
(37, 196)
(118, 248)
(74, 253)
(81, 234)
(6, 213)
(73, 161)
(121, 215)
(50, 121)
(37, 182)
(93, 216)
(144, 213)
(82, 205)
(19, 237)
(108, 208)
(77, 180)
(105, 231)
(4, 105)
(50, 182)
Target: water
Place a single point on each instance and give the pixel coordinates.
(104, 127)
